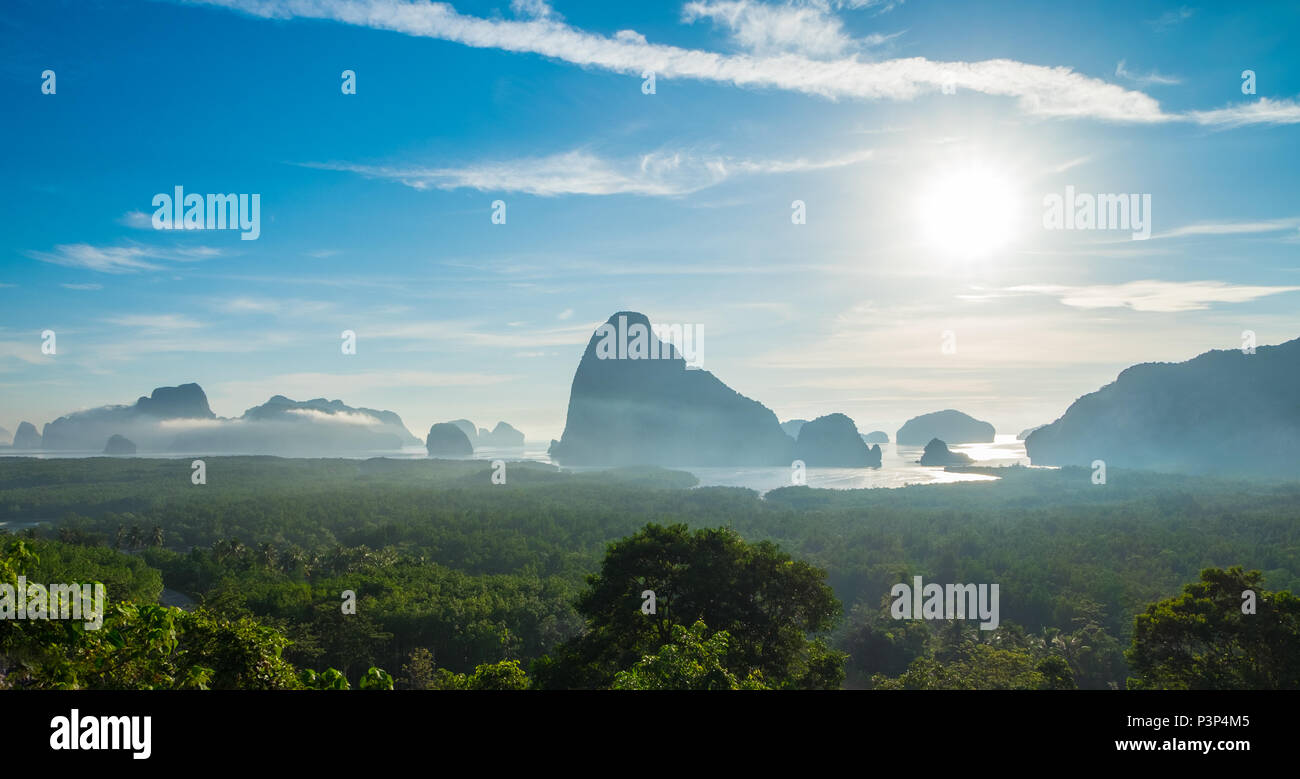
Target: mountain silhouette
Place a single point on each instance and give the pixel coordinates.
(26, 436)
(179, 419)
(1224, 412)
(446, 439)
(948, 425)
(655, 411)
(833, 441)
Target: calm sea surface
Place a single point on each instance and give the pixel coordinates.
(898, 465)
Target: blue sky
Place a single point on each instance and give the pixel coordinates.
(376, 207)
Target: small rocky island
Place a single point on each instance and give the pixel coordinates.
(446, 439)
(937, 453)
(119, 444)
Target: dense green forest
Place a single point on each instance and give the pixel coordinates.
(464, 584)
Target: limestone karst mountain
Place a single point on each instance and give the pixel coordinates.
(142, 421)
(653, 410)
(119, 445)
(503, 436)
(1224, 411)
(26, 437)
(949, 425)
(833, 441)
(446, 439)
(179, 419)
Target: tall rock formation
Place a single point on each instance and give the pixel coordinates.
(652, 410)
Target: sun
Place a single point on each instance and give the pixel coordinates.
(968, 212)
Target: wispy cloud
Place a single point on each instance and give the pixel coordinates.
(1152, 295)
(351, 385)
(85, 287)
(158, 322)
(1233, 228)
(137, 219)
(1262, 111)
(292, 307)
(120, 259)
(1144, 79)
(1171, 18)
(1068, 164)
(583, 173)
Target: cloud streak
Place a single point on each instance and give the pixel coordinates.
(580, 172)
(1233, 228)
(119, 259)
(1152, 295)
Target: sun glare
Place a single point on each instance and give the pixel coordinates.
(968, 212)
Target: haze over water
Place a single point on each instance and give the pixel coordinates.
(899, 466)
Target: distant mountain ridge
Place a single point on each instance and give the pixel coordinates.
(1223, 411)
(180, 419)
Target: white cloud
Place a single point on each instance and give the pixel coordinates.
(533, 9)
(82, 286)
(119, 259)
(1152, 295)
(344, 417)
(137, 219)
(763, 28)
(583, 173)
(1261, 111)
(1040, 90)
(565, 314)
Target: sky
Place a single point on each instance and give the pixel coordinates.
(921, 141)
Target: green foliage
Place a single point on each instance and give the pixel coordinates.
(503, 675)
(765, 601)
(329, 679)
(691, 661)
(443, 560)
(1202, 640)
(376, 679)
